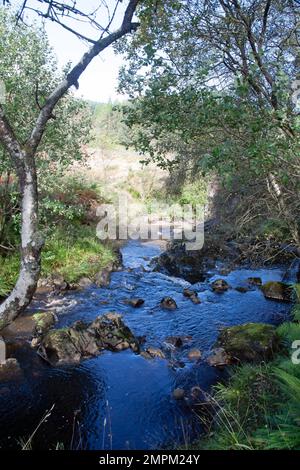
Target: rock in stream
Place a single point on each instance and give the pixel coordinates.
(82, 340)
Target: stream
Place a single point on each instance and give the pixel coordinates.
(122, 400)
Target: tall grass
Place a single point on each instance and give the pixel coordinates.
(72, 252)
(260, 406)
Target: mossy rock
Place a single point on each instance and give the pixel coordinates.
(57, 347)
(43, 323)
(252, 342)
(82, 340)
(275, 290)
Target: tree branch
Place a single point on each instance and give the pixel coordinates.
(73, 76)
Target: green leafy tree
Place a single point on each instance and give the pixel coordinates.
(29, 70)
(24, 150)
(211, 90)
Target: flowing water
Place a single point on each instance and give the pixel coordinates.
(121, 400)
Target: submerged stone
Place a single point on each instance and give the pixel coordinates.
(242, 289)
(254, 281)
(135, 302)
(178, 394)
(191, 294)
(252, 342)
(194, 354)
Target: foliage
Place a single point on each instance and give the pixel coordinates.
(29, 71)
(75, 253)
(259, 408)
(211, 92)
(109, 130)
(72, 248)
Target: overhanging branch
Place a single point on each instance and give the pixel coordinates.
(72, 78)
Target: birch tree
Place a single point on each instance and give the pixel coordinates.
(23, 153)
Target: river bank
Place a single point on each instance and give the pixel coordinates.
(123, 400)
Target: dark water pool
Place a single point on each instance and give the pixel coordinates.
(121, 400)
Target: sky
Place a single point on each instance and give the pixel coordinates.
(99, 81)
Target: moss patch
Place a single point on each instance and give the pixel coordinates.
(252, 342)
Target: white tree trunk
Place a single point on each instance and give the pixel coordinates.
(23, 158)
(31, 245)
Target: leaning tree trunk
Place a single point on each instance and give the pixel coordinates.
(23, 158)
(31, 244)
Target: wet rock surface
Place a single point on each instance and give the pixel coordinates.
(29, 326)
(192, 295)
(102, 278)
(154, 352)
(168, 303)
(220, 286)
(135, 302)
(179, 262)
(242, 289)
(218, 358)
(254, 281)
(252, 342)
(175, 341)
(82, 340)
(275, 290)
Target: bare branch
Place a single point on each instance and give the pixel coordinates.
(73, 76)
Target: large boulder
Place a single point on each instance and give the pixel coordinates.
(82, 340)
(179, 262)
(113, 334)
(275, 290)
(252, 342)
